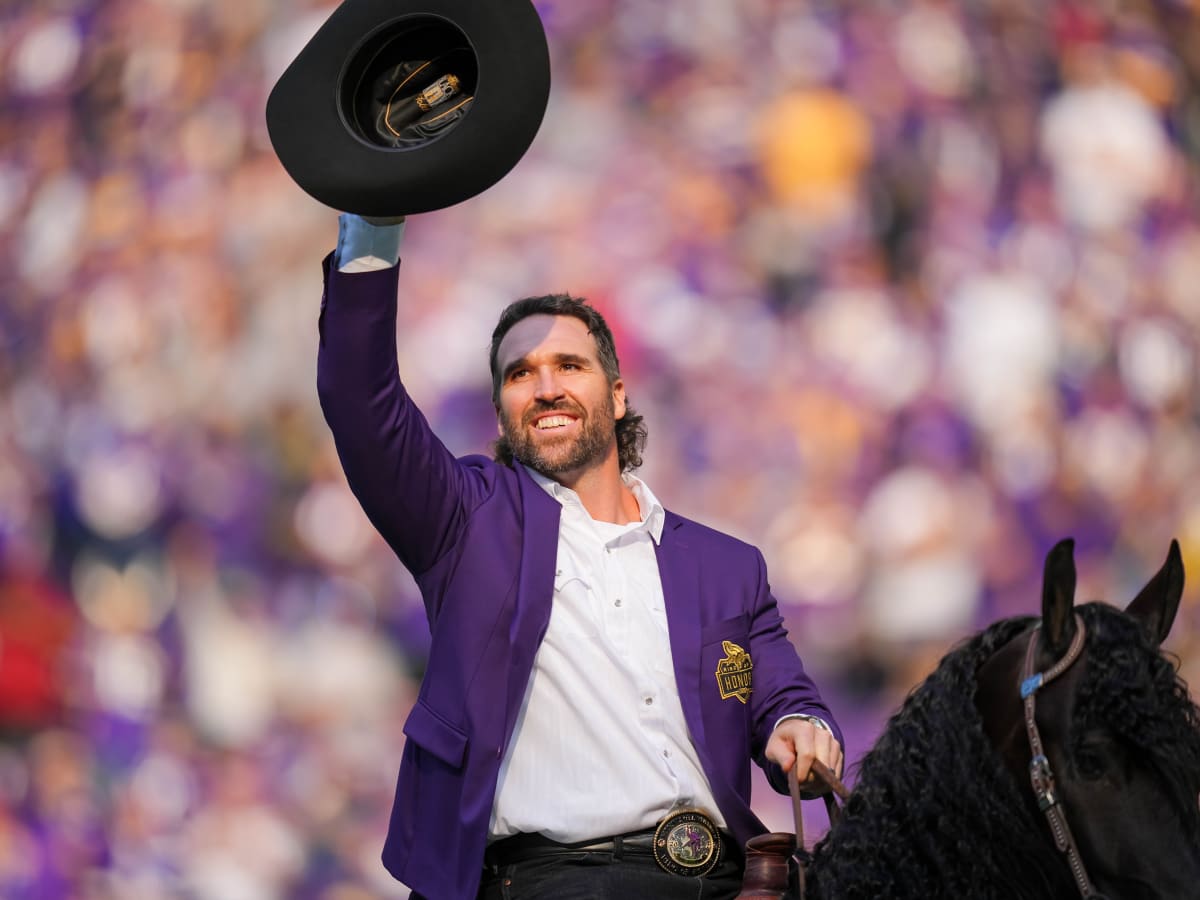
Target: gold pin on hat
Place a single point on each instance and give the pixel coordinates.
(438, 92)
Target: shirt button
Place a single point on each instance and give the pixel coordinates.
(666, 753)
(617, 602)
(649, 701)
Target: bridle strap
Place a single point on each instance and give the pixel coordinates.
(1040, 775)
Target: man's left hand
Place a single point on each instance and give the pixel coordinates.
(797, 742)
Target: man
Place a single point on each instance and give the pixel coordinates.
(602, 671)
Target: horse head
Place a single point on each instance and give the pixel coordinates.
(1119, 735)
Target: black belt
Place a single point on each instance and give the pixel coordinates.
(686, 842)
(522, 847)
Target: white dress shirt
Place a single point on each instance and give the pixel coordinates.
(601, 746)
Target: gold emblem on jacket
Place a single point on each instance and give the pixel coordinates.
(734, 672)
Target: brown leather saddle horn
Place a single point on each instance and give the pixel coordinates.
(775, 862)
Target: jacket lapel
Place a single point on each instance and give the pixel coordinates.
(535, 585)
(681, 588)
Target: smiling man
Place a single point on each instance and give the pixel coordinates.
(602, 671)
(557, 402)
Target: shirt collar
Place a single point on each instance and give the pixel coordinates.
(653, 513)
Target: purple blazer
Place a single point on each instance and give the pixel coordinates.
(481, 541)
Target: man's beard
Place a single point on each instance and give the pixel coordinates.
(561, 457)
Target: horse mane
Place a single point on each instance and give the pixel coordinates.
(934, 813)
(1136, 693)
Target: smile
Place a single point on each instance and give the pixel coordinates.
(549, 422)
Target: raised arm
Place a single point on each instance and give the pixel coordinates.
(409, 484)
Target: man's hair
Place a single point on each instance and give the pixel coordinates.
(631, 432)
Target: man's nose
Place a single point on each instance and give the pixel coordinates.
(548, 387)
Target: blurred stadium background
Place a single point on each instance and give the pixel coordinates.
(907, 292)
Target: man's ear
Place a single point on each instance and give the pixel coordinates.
(499, 424)
(618, 390)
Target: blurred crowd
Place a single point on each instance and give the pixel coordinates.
(907, 291)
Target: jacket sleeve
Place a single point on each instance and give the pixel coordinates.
(781, 685)
(410, 485)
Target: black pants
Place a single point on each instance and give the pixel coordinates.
(632, 875)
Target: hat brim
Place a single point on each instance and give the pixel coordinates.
(328, 156)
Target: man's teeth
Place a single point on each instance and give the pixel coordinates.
(553, 422)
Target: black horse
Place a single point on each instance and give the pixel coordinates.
(943, 806)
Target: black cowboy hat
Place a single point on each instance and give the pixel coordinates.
(405, 106)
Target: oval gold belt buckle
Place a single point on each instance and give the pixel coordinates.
(687, 842)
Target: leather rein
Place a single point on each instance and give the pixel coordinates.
(829, 786)
(1040, 775)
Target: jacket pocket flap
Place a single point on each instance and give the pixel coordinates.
(734, 629)
(433, 733)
